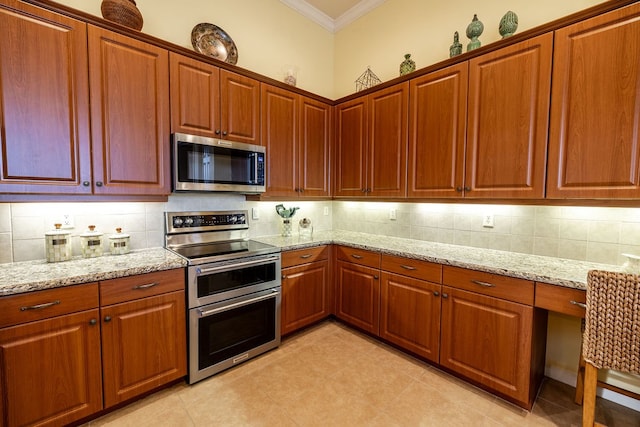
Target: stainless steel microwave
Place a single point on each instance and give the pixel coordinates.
(208, 164)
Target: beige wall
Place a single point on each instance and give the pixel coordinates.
(425, 30)
(268, 34)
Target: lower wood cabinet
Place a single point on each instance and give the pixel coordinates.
(358, 295)
(305, 288)
(410, 314)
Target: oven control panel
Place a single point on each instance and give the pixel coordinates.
(177, 222)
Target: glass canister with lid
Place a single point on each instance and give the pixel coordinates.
(57, 244)
(119, 242)
(91, 243)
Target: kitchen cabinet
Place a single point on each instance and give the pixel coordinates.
(438, 120)
(507, 121)
(358, 288)
(211, 102)
(143, 333)
(593, 140)
(50, 356)
(410, 305)
(305, 287)
(45, 143)
(129, 91)
(491, 333)
(296, 131)
(371, 144)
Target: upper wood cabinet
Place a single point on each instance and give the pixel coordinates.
(507, 125)
(594, 145)
(371, 153)
(296, 132)
(44, 102)
(129, 82)
(437, 123)
(208, 101)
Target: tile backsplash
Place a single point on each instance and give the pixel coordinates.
(582, 233)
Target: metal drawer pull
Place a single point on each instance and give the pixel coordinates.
(40, 306)
(579, 304)
(356, 256)
(485, 284)
(147, 286)
(408, 267)
(305, 256)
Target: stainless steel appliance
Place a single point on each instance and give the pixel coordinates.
(208, 164)
(233, 289)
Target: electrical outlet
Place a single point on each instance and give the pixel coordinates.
(67, 220)
(393, 214)
(255, 213)
(326, 211)
(487, 220)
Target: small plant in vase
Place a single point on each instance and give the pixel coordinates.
(286, 215)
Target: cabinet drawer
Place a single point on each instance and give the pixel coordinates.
(561, 299)
(40, 305)
(140, 286)
(359, 256)
(422, 270)
(304, 256)
(508, 288)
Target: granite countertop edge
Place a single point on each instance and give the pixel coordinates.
(556, 271)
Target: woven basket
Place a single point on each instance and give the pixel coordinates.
(124, 12)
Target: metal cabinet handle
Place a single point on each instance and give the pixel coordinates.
(483, 284)
(375, 277)
(356, 256)
(224, 133)
(459, 189)
(217, 131)
(107, 319)
(579, 304)
(436, 293)
(147, 286)
(445, 295)
(99, 184)
(467, 188)
(93, 322)
(284, 277)
(368, 190)
(364, 190)
(40, 306)
(305, 256)
(408, 267)
(86, 183)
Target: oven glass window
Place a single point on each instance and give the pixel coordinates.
(230, 333)
(219, 165)
(212, 284)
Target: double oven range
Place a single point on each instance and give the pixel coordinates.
(233, 289)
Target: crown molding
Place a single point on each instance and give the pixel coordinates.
(324, 20)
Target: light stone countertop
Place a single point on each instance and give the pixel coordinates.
(556, 271)
(19, 277)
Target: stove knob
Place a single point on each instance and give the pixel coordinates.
(188, 221)
(241, 219)
(177, 222)
(233, 219)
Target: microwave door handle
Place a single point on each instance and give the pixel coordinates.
(254, 178)
(238, 265)
(206, 313)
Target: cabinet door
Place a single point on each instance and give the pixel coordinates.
(438, 119)
(129, 83)
(195, 96)
(351, 148)
(487, 340)
(280, 136)
(240, 108)
(387, 154)
(594, 145)
(44, 102)
(50, 370)
(304, 295)
(410, 314)
(314, 148)
(358, 296)
(143, 345)
(508, 120)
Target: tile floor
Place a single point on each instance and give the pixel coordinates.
(330, 375)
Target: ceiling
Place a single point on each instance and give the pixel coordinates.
(333, 14)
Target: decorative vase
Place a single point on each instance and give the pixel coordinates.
(456, 48)
(286, 227)
(408, 65)
(474, 30)
(124, 12)
(508, 24)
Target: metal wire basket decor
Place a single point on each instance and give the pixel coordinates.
(366, 80)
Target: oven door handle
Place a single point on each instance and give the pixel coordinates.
(206, 313)
(236, 265)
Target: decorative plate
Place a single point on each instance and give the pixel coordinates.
(213, 41)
